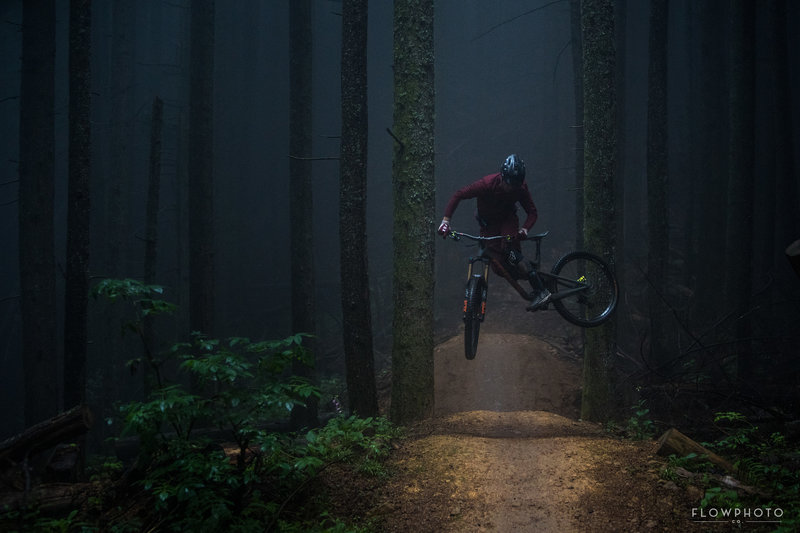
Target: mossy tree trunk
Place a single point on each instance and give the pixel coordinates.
(76, 287)
(37, 266)
(600, 346)
(621, 145)
(414, 205)
(300, 191)
(356, 310)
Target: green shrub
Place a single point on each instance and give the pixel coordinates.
(193, 483)
(210, 457)
(640, 427)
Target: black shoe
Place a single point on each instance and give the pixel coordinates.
(539, 300)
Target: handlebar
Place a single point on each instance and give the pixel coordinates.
(457, 235)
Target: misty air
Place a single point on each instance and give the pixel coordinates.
(431, 265)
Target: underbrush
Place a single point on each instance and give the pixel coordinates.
(207, 458)
(765, 489)
(244, 478)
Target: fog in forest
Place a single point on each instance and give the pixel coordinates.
(504, 84)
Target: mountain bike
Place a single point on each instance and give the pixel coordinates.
(583, 287)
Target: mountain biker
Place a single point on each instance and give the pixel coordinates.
(497, 198)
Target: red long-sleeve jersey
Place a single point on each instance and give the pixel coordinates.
(497, 206)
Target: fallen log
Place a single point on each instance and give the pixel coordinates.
(48, 498)
(726, 481)
(673, 442)
(44, 435)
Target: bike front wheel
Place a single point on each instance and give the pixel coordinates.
(589, 287)
(474, 309)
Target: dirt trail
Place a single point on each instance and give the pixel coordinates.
(507, 453)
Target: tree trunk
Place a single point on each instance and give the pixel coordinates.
(201, 164)
(76, 295)
(657, 172)
(116, 189)
(710, 165)
(356, 311)
(620, 129)
(784, 215)
(300, 191)
(414, 205)
(151, 226)
(599, 228)
(153, 192)
(739, 234)
(36, 200)
(577, 72)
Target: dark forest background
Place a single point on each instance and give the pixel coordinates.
(690, 335)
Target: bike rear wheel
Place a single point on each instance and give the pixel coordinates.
(594, 304)
(474, 309)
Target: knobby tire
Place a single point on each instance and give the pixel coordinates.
(593, 306)
(473, 314)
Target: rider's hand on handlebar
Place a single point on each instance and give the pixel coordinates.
(444, 228)
(522, 234)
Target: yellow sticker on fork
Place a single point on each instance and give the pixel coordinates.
(582, 279)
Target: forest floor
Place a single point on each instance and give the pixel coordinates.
(507, 452)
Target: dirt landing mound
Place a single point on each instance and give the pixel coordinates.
(506, 451)
(510, 373)
(525, 472)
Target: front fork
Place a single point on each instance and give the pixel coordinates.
(485, 287)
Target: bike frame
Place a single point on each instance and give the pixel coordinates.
(582, 292)
(572, 286)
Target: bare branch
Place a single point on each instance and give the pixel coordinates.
(490, 30)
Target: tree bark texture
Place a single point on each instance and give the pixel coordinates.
(356, 309)
(76, 292)
(201, 167)
(300, 189)
(36, 208)
(414, 205)
(657, 172)
(620, 128)
(597, 19)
